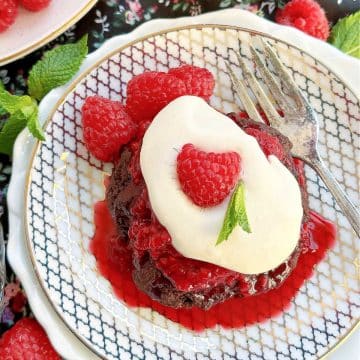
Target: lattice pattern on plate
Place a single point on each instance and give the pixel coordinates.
(66, 181)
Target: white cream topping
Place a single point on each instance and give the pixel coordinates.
(272, 194)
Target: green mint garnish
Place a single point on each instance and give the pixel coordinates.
(34, 126)
(11, 103)
(20, 110)
(345, 35)
(11, 129)
(235, 214)
(56, 68)
(2, 110)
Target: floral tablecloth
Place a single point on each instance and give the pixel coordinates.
(106, 19)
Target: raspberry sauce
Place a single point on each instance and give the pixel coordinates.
(114, 262)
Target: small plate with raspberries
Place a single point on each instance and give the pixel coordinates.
(163, 222)
(26, 25)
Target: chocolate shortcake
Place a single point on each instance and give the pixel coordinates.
(160, 270)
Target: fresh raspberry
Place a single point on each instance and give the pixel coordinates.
(26, 340)
(141, 208)
(143, 126)
(271, 142)
(106, 127)
(270, 145)
(148, 236)
(306, 15)
(198, 81)
(149, 92)
(8, 13)
(35, 5)
(134, 164)
(188, 274)
(207, 178)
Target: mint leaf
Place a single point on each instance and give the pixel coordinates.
(34, 126)
(13, 126)
(229, 222)
(12, 103)
(235, 214)
(56, 68)
(242, 218)
(345, 35)
(2, 110)
(23, 111)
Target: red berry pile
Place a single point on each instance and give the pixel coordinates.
(149, 92)
(207, 178)
(108, 125)
(26, 340)
(9, 10)
(198, 81)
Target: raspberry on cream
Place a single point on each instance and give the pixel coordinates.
(272, 194)
(207, 178)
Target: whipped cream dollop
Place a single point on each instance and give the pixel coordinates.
(272, 194)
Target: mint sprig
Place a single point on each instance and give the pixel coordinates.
(345, 35)
(56, 68)
(21, 111)
(34, 126)
(11, 103)
(235, 214)
(13, 126)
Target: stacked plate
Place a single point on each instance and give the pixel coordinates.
(23, 38)
(51, 225)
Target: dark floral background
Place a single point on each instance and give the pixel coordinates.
(106, 19)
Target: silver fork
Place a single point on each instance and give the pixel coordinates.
(299, 122)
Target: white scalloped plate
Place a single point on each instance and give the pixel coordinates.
(67, 270)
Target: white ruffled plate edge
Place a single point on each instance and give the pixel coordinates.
(64, 341)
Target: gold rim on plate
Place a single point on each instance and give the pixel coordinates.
(71, 88)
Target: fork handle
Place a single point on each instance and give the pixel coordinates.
(345, 204)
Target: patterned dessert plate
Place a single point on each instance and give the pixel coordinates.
(32, 30)
(65, 182)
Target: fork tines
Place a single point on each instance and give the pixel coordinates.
(266, 104)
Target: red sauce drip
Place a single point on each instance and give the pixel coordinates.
(114, 263)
